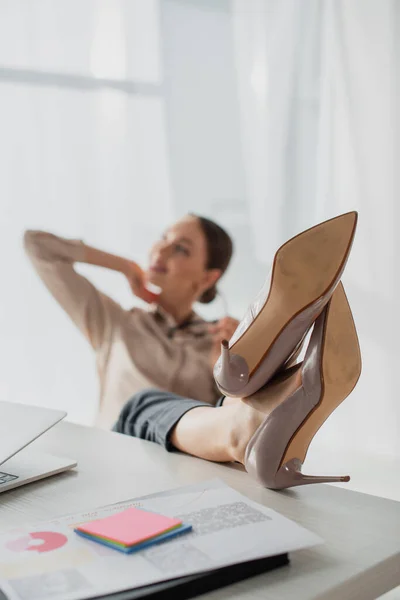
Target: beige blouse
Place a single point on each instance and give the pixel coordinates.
(134, 348)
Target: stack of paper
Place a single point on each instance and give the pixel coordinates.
(233, 538)
(132, 529)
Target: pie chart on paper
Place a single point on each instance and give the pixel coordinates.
(38, 541)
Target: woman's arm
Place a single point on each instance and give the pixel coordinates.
(130, 269)
(93, 256)
(53, 258)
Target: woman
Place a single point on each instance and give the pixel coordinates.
(271, 411)
(168, 346)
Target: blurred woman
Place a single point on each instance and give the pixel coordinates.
(167, 346)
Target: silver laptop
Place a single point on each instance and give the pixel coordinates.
(20, 425)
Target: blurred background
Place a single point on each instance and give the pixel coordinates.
(119, 116)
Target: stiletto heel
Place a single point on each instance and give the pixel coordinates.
(305, 273)
(297, 402)
(234, 373)
(290, 475)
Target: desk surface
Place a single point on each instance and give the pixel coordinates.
(360, 559)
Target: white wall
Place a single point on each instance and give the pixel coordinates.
(204, 137)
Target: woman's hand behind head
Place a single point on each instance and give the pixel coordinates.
(137, 280)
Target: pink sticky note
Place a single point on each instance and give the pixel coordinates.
(130, 526)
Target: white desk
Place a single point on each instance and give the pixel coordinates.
(361, 557)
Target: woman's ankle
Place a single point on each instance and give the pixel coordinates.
(244, 423)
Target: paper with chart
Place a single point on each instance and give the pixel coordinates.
(51, 562)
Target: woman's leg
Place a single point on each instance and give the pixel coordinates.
(151, 415)
(217, 433)
(220, 434)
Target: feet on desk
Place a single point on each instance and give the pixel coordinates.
(298, 401)
(305, 291)
(275, 407)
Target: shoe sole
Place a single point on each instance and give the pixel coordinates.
(306, 269)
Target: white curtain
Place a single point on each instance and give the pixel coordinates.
(319, 97)
(82, 136)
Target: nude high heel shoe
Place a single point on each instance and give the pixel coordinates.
(298, 401)
(305, 273)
